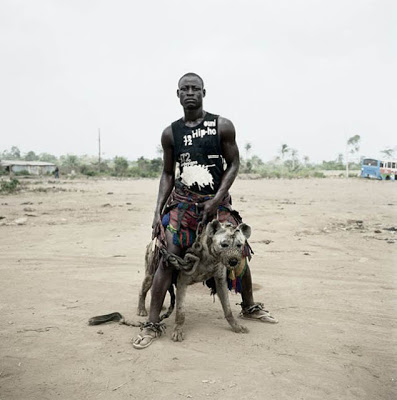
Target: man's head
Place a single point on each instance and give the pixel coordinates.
(191, 91)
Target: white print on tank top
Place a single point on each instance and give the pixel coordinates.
(200, 133)
(197, 174)
(185, 160)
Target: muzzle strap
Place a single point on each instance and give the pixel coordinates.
(235, 276)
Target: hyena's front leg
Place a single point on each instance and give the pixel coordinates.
(177, 334)
(223, 295)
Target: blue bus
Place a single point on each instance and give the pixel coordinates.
(378, 169)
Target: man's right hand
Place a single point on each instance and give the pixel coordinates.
(156, 221)
(209, 209)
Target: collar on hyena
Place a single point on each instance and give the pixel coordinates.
(226, 242)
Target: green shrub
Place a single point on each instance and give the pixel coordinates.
(11, 186)
(281, 172)
(88, 170)
(90, 173)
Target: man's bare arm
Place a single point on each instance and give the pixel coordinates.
(167, 179)
(231, 155)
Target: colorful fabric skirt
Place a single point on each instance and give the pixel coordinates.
(183, 215)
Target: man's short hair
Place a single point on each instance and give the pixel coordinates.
(191, 74)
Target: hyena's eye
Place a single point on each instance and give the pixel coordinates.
(224, 245)
(239, 246)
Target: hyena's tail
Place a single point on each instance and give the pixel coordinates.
(117, 317)
(101, 319)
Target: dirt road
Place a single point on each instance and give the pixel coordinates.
(323, 265)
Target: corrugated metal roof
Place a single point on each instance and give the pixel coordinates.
(7, 163)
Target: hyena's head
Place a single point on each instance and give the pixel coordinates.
(227, 241)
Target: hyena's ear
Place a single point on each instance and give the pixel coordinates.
(212, 227)
(245, 230)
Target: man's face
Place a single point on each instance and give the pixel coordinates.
(191, 92)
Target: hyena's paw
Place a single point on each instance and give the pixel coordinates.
(240, 328)
(142, 312)
(178, 334)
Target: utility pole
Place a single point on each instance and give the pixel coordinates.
(99, 149)
(347, 157)
(347, 161)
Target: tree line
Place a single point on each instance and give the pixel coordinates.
(286, 164)
(89, 165)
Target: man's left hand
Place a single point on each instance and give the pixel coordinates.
(210, 209)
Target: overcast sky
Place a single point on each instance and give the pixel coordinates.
(306, 73)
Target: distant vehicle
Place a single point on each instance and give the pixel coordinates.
(378, 169)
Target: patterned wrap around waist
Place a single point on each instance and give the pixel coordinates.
(182, 216)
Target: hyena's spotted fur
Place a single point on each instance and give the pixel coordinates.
(218, 248)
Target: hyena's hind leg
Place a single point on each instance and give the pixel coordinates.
(148, 280)
(146, 285)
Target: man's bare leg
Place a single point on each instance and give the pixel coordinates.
(161, 282)
(250, 309)
(246, 289)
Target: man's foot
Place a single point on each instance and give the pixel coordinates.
(144, 339)
(257, 312)
(150, 331)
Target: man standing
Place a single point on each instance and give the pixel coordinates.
(204, 148)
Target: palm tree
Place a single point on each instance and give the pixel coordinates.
(284, 150)
(247, 147)
(294, 154)
(354, 143)
(388, 153)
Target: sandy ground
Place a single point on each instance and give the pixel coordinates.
(78, 252)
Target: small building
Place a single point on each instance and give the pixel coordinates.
(30, 167)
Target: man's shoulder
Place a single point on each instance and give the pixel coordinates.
(224, 121)
(225, 126)
(167, 130)
(166, 136)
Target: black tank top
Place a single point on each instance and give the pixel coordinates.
(198, 152)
